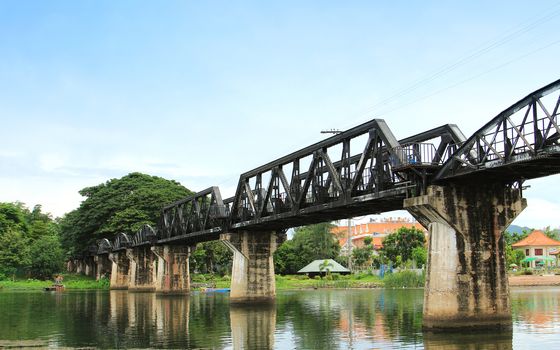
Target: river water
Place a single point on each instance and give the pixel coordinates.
(310, 319)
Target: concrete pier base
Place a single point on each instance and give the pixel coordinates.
(89, 266)
(142, 269)
(71, 266)
(466, 280)
(252, 277)
(119, 270)
(79, 264)
(103, 266)
(173, 275)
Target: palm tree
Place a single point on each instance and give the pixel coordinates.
(326, 265)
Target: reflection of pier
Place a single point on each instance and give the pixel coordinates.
(136, 314)
(253, 326)
(454, 341)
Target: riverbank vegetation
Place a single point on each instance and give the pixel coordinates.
(29, 242)
(402, 279)
(71, 281)
(199, 281)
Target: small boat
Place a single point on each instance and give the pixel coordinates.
(215, 290)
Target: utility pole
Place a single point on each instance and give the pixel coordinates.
(349, 244)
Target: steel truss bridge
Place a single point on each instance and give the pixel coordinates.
(365, 170)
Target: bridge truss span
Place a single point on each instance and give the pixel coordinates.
(522, 142)
(346, 171)
(198, 217)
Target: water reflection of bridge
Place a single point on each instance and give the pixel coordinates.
(326, 320)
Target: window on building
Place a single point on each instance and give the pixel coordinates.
(526, 252)
(538, 251)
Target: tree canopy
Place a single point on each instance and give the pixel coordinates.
(401, 243)
(29, 241)
(309, 243)
(118, 205)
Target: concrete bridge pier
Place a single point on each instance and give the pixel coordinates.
(252, 277)
(142, 269)
(102, 266)
(173, 275)
(119, 270)
(466, 280)
(79, 266)
(71, 266)
(89, 266)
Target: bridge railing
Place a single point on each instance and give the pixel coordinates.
(419, 154)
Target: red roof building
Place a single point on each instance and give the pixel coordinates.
(377, 230)
(538, 245)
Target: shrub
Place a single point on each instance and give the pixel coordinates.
(404, 279)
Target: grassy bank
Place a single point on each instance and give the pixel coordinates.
(71, 281)
(404, 279)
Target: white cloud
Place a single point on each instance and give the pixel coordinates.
(56, 195)
(53, 161)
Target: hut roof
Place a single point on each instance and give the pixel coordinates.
(314, 266)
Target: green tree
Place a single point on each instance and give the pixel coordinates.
(401, 243)
(14, 252)
(286, 259)
(326, 265)
(21, 230)
(420, 256)
(309, 243)
(118, 205)
(12, 216)
(362, 256)
(46, 256)
(552, 233)
(514, 256)
(211, 257)
(511, 237)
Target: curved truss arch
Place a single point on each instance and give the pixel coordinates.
(526, 131)
(104, 246)
(121, 241)
(146, 235)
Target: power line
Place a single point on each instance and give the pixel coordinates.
(487, 47)
(471, 78)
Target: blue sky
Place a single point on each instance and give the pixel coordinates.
(200, 91)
